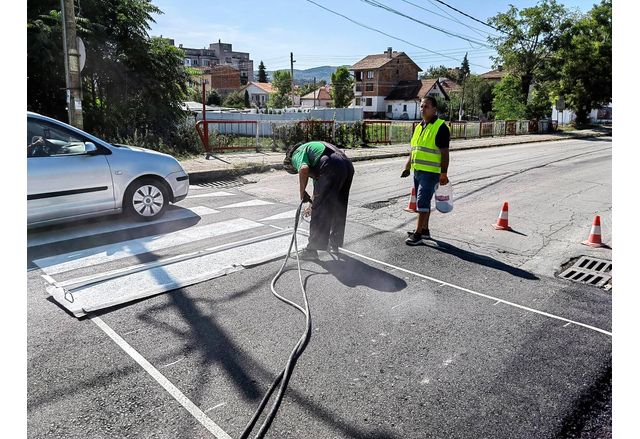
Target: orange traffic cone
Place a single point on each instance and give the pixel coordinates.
(595, 237)
(503, 218)
(412, 202)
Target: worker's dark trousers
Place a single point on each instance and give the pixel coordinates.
(330, 200)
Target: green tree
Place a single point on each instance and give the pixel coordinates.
(508, 102)
(214, 98)
(262, 73)
(464, 70)
(528, 40)
(439, 72)
(341, 88)
(247, 104)
(282, 85)
(234, 100)
(584, 62)
(131, 83)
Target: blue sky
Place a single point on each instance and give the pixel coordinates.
(270, 30)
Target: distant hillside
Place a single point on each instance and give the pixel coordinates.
(303, 76)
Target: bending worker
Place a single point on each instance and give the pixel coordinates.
(429, 161)
(332, 174)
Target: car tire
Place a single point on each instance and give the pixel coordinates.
(146, 199)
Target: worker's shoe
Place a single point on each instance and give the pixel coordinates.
(425, 233)
(414, 239)
(334, 250)
(309, 254)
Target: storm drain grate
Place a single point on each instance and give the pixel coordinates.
(590, 271)
(233, 182)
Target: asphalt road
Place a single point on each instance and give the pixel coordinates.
(468, 337)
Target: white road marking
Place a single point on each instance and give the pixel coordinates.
(164, 382)
(171, 364)
(284, 215)
(50, 236)
(486, 296)
(211, 194)
(250, 203)
(215, 407)
(111, 252)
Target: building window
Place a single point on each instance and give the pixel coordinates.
(205, 62)
(370, 74)
(357, 102)
(404, 108)
(389, 109)
(195, 62)
(369, 86)
(358, 76)
(187, 62)
(369, 102)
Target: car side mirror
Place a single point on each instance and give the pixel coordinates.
(35, 139)
(90, 148)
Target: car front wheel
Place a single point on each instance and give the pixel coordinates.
(146, 199)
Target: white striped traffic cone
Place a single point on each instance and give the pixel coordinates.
(595, 236)
(412, 202)
(503, 218)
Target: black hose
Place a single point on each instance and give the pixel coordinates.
(283, 378)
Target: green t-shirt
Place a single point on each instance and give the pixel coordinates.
(307, 154)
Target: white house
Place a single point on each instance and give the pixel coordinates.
(259, 93)
(317, 98)
(404, 100)
(598, 115)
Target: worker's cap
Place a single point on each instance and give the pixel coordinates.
(288, 166)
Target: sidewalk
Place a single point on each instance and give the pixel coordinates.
(228, 165)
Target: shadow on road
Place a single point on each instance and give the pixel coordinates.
(479, 259)
(352, 272)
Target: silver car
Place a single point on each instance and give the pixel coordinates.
(73, 175)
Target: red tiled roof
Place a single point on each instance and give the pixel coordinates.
(321, 94)
(494, 74)
(378, 60)
(266, 86)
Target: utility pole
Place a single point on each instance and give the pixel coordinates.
(461, 111)
(314, 92)
(72, 64)
(292, 61)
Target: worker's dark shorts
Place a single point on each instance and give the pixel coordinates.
(425, 184)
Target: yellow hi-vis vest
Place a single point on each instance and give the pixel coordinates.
(425, 155)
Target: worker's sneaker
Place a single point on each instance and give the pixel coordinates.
(425, 233)
(414, 239)
(309, 254)
(334, 250)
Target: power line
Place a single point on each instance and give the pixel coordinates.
(390, 36)
(395, 11)
(469, 16)
(450, 17)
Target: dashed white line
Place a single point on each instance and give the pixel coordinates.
(168, 386)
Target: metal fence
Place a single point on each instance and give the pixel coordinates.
(232, 135)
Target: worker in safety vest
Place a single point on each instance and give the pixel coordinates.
(332, 174)
(429, 161)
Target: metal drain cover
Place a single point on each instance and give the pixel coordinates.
(232, 182)
(591, 271)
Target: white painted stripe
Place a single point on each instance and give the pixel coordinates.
(211, 194)
(216, 406)
(164, 382)
(595, 230)
(593, 328)
(157, 280)
(81, 231)
(112, 252)
(283, 215)
(249, 203)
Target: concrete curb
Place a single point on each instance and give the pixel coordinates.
(198, 177)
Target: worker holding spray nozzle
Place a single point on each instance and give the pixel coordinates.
(332, 174)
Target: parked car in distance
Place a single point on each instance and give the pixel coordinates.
(73, 175)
